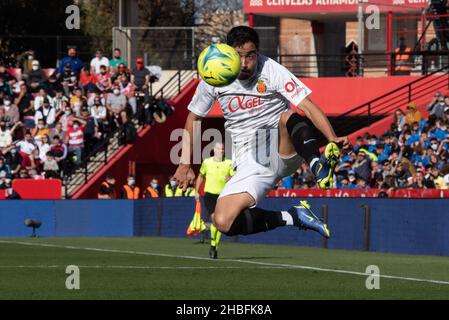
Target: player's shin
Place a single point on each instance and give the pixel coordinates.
(305, 143)
(255, 220)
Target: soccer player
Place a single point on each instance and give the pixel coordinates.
(269, 140)
(217, 171)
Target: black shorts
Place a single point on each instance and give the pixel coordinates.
(210, 201)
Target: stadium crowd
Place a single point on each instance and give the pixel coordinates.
(50, 119)
(413, 153)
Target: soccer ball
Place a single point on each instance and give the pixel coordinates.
(219, 64)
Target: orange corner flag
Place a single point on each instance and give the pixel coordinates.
(197, 225)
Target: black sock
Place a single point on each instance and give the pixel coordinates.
(255, 220)
(301, 131)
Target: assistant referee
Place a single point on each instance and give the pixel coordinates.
(217, 171)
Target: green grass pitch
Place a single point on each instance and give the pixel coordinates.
(168, 268)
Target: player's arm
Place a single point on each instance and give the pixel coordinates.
(319, 119)
(184, 174)
(199, 182)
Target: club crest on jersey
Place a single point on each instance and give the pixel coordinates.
(261, 86)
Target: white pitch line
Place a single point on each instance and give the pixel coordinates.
(135, 267)
(290, 266)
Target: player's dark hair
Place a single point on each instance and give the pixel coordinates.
(240, 35)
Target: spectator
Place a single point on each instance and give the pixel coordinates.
(130, 190)
(26, 148)
(75, 141)
(58, 149)
(72, 61)
(5, 87)
(67, 118)
(23, 174)
(107, 190)
(140, 78)
(96, 95)
(3, 180)
(116, 60)
(57, 131)
(40, 130)
(399, 117)
(11, 111)
(50, 166)
(25, 103)
(5, 75)
(13, 160)
(352, 179)
(46, 113)
(402, 175)
(77, 101)
(122, 70)
(413, 115)
(91, 132)
(115, 103)
(437, 178)
(88, 81)
(44, 147)
(419, 181)
(98, 61)
(127, 89)
(152, 191)
(104, 82)
(172, 189)
(362, 165)
(58, 100)
(437, 105)
(36, 77)
(99, 113)
(4, 167)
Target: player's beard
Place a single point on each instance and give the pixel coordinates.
(245, 74)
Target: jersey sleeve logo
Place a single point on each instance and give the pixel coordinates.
(261, 86)
(293, 88)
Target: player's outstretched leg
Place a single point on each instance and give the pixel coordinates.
(233, 216)
(301, 134)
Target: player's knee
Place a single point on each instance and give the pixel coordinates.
(284, 117)
(222, 223)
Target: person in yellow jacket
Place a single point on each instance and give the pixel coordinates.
(216, 171)
(130, 190)
(172, 190)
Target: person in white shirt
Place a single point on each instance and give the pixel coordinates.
(270, 139)
(47, 113)
(97, 62)
(44, 146)
(26, 148)
(6, 134)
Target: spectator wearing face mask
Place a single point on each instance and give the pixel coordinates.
(130, 190)
(36, 77)
(98, 61)
(40, 130)
(44, 147)
(172, 189)
(75, 140)
(152, 191)
(11, 110)
(46, 113)
(115, 103)
(67, 118)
